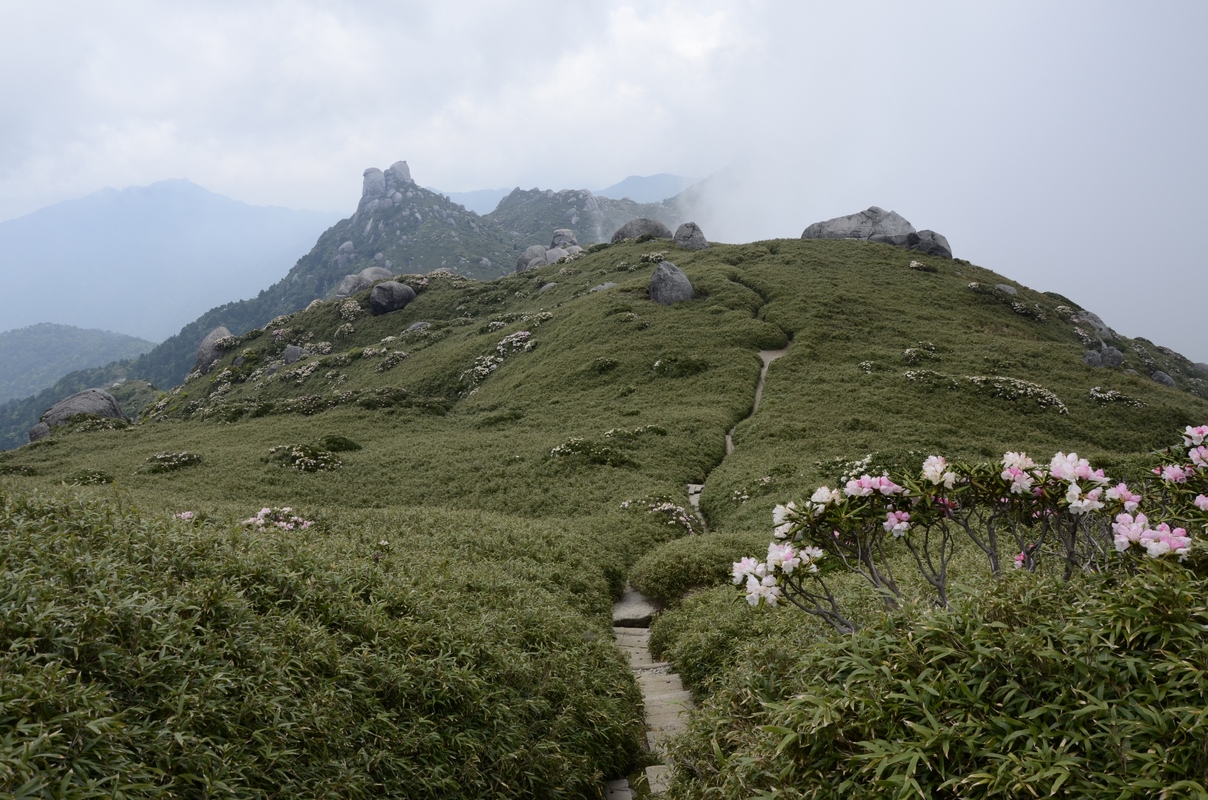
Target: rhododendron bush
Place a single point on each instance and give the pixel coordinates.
(1063, 515)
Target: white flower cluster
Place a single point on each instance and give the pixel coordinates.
(350, 310)
(1105, 396)
(761, 577)
(1015, 389)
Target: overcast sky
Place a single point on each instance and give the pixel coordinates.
(1059, 143)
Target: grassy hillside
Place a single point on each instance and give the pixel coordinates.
(34, 357)
(482, 486)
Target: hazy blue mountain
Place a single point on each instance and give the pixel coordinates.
(647, 189)
(33, 358)
(480, 201)
(143, 260)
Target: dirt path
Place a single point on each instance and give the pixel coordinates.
(767, 357)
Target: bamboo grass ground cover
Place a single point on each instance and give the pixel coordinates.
(510, 479)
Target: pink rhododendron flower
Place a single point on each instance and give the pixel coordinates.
(1021, 482)
(782, 557)
(935, 469)
(1195, 436)
(764, 589)
(1128, 529)
(1201, 502)
(1162, 540)
(744, 568)
(1017, 461)
(896, 522)
(1081, 503)
(187, 516)
(1199, 456)
(1174, 473)
(1020, 559)
(1121, 492)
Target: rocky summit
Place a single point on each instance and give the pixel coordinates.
(878, 225)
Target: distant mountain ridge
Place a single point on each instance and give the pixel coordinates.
(647, 188)
(34, 357)
(150, 256)
(416, 232)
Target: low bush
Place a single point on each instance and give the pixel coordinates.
(673, 569)
(338, 444)
(146, 659)
(1090, 689)
(170, 462)
(88, 477)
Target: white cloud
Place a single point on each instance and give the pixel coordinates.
(1052, 142)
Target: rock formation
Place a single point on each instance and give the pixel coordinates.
(878, 225)
(390, 296)
(90, 401)
(362, 280)
(641, 227)
(209, 350)
(669, 284)
(690, 237)
(564, 237)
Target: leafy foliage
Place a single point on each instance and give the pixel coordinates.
(1041, 688)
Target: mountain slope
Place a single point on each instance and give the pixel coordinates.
(33, 358)
(479, 488)
(150, 256)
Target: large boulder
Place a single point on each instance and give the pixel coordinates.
(374, 184)
(690, 237)
(375, 274)
(669, 284)
(209, 350)
(878, 225)
(352, 284)
(554, 253)
(398, 175)
(531, 253)
(1201, 367)
(871, 222)
(564, 238)
(928, 242)
(1164, 379)
(390, 296)
(90, 401)
(1110, 356)
(641, 227)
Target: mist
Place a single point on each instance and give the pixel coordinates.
(1053, 143)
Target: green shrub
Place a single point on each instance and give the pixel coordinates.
(671, 570)
(143, 659)
(338, 444)
(304, 458)
(17, 469)
(1092, 689)
(170, 462)
(88, 477)
(680, 366)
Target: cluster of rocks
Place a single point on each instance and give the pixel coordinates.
(1105, 356)
(689, 236)
(562, 245)
(385, 189)
(878, 225)
(360, 281)
(97, 402)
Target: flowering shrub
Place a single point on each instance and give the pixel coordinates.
(350, 310)
(1015, 389)
(1105, 396)
(91, 423)
(345, 330)
(1065, 512)
(592, 452)
(680, 366)
(170, 462)
(185, 516)
(283, 518)
(391, 360)
(304, 458)
(89, 477)
(676, 515)
(520, 341)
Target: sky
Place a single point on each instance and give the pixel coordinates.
(1049, 141)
